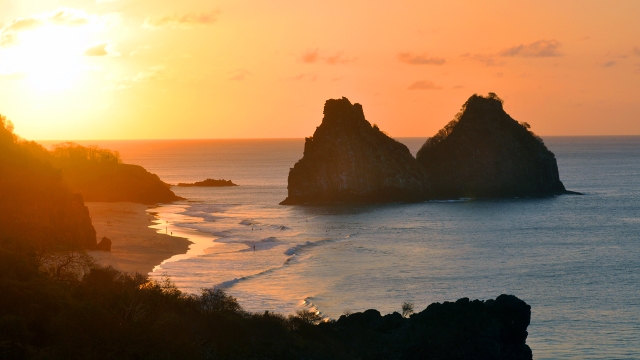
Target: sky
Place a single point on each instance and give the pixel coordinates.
(166, 69)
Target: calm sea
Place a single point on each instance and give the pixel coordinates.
(574, 259)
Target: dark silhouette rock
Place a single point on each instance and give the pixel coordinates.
(104, 244)
(485, 153)
(209, 183)
(349, 161)
(492, 329)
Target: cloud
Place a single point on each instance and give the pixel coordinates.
(310, 57)
(310, 77)
(636, 51)
(541, 48)
(98, 50)
(60, 17)
(609, 64)
(313, 56)
(337, 59)
(69, 17)
(153, 73)
(424, 85)
(185, 21)
(487, 60)
(101, 50)
(423, 59)
(239, 75)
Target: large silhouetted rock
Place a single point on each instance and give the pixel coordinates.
(347, 160)
(485, 153)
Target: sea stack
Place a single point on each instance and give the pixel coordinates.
(349, 161)
(483, 152)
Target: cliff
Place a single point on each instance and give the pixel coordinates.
(347, 160)
(483, 152)
(35, 205)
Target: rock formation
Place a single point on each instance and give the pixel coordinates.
(485, 153)
(347, 160)
(104, 244)
(209, 183)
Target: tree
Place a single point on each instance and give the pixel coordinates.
(407, 309)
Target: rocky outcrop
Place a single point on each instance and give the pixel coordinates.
(209, 183)
(486, 153)
(347, 160)
(104, 244)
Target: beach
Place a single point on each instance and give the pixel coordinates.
(135, 246)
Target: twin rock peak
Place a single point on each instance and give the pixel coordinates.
(482, 153)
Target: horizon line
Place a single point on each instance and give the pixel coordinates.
(293, 138)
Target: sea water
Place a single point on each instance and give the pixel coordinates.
(574, 259)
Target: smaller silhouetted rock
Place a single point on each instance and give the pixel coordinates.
(104, 244)
(209, 183)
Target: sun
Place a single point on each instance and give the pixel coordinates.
(48, 57)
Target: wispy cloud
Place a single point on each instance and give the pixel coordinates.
(182, 21)
(308, 77)
(313, 56)
(419, 59)
(98, 50)
(153, 73)
(239, 74)
(540, 48)
(424, 85)
(337, 59)
(310, 56)
(609, 64)
(636, 51)
(59, 17)
(487, 60)
(101, 50)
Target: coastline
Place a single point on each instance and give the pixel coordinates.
(136, 247)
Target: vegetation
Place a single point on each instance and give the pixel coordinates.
(448, 129)
(36, 206)
(88, 312)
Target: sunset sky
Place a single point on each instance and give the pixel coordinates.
(145, 69)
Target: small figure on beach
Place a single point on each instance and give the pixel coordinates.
(254, 248)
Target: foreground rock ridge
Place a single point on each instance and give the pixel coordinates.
(348, 160)
(464, 329)
(483, 152)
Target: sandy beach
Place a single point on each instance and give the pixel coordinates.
(135, 246)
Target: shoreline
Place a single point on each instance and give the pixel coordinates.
(136, 246)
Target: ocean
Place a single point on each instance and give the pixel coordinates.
(574, 259)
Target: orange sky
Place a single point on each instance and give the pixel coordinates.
(141, 69)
